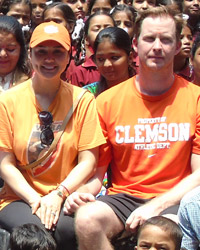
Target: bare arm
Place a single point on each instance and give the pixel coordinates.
(170, 198)
(14, 178)
(83, 171)
(86, 192)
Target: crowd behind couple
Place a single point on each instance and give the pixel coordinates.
(139, 123)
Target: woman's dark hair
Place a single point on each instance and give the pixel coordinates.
(195, 46)
(68, 13)
(120, 39)
(125, 8)
(10, 24)
(8, 3)
(80, 44)
(92, 2)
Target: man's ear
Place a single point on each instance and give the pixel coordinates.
(135, 44)
(130, 58)
(178, 47)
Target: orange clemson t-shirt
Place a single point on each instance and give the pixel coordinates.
(149, 138)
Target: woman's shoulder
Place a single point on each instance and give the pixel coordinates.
(17, 91)
(74, 91)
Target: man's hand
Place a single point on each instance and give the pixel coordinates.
(75, 200)
(140, 215)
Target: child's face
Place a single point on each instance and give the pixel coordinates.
(97, 23)
(154, 238)
(186, 41)
(21, 12)
(123, 21)
(101, 5)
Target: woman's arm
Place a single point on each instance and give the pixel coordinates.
(83, 171)
(14, 178)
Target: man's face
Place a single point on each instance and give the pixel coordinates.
(156, 44)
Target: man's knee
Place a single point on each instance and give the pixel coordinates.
(87, 220)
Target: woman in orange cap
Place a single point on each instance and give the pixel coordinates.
(32, 114)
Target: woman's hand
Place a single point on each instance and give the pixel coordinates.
(49, 209)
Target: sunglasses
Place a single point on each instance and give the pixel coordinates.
(46, 136)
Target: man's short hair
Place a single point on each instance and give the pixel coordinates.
(160, 11)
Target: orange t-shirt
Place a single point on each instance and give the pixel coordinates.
(149, 138)
(20, 133)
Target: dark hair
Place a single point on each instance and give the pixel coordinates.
(9, 3)
(30, 237)
(92, 2)
(117, 36)
(125, 8)
(195, 46)
(166, 225)
(120, 39)
(160, 11)
(80, 44)
(10, 24)
(68, 13)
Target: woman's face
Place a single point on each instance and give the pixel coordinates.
(97, 23)
(123, 21)
(101, 5)
(112, 62)
(56, 15)
(9, 53)
(21, 12)
(49, 59)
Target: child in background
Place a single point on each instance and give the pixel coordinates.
(101, 5)
(82, 69)
(79, 7)
(21, 10)
(30, 237)
(182, 64)
(60, 13)
(38, 7)
(113, 57)
(195, 60)
(124, 17)
(159, 233)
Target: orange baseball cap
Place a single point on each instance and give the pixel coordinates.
(51, 31)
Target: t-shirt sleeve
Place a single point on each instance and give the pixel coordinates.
(91, 134)
(196, 141)
(6, 128)
(105, 149)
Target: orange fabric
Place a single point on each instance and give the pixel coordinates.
(20, 134)
(51, 31)
(149, 139)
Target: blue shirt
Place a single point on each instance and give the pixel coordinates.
(189, 217)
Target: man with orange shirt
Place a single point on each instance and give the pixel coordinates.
(152, 126)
